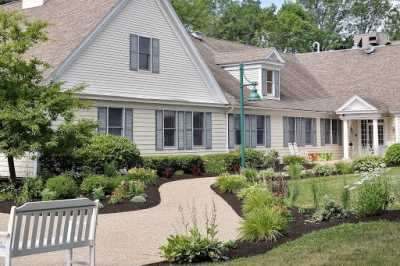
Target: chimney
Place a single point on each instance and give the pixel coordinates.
(364, 41)
(32, 3)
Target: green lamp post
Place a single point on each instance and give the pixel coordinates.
(253, 96)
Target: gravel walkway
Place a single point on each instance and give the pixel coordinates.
(134, 238)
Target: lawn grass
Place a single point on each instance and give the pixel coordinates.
(333, 186)
(374, 243)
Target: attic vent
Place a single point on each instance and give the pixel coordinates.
(32, 3)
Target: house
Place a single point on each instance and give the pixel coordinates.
(173, 92)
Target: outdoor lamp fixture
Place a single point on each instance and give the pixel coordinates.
(254, 96)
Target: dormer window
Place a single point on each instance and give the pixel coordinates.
(271, 83)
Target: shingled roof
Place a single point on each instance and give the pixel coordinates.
(316, 81)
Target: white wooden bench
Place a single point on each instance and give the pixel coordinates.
(40, 227)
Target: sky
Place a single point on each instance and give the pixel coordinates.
(269, 2)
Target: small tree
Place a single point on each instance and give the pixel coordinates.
(28, 104)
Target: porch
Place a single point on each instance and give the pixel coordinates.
(367, 130)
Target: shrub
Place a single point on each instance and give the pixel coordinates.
(250, 174)
(271, 158)
(368, 163)
(293, 159)
(278, 185)
(103, 149)
(64, 186)
(110, 169)
(266, 174)
(31, 190)
(252, 189)
(93, 182)
(169, 164)
(147, 176)
(345, 198)
(323, 170)
(231, 183)
(262, 224)
(329, 210)
(60, 154)
(48, 195)
(293, 193)
(392, 155)
(127, 190)
(214, 164)
(98, 193)
(372, 197)
(259, 199)
(295, 170)
(344, 168)
(7, 192)
(193, 246)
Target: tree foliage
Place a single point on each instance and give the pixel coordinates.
(28, 104)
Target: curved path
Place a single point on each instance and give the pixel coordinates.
(134, 238)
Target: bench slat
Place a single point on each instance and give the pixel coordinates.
(26, 230)
(51, 227)
(17, 231)
(34, 230)
(60, 217)
(88, 222)
(81, 223)
(66, 227)
(43, 228)
(73, 226)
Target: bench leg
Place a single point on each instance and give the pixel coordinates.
(92, 256)
(68, 257)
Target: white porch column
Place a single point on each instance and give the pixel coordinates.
(375, 136)
(397, 128)
(346, 154)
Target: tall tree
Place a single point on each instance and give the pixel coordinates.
(368, 15)
(28, 105)
(392, 23)
(294, 29)
(246, 22)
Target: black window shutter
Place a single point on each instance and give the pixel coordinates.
(189, 130)
(159, 130)
(181, 131)
(155, 55)
(208, 124)
(129, 123)
(253, 121)
(322, 130)
(277, 84)
(134, 52)
(247, 124)
(340, 132)
(314, 132)
(300, 131)
(285, 132)
(102, 119)
(268, 131)
(231, 131)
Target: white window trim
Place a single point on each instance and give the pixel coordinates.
(176, 131)
(108, 119)
(273, 96)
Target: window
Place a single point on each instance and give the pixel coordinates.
(260, 130)
(328, 131)
(308, 128)
(381, 137)
(332, 131)
(169, 128)
(271, 86)
(367, 132)
(335, 128)
(115, 121)
(198, 129)
(144, 53)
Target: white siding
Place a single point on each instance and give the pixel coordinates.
(104, 64)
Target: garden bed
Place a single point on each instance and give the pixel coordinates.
(152, 192)
(300, 226)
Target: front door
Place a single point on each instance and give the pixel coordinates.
(367, 137)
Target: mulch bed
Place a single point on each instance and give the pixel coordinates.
(298, 228)
(152, 192)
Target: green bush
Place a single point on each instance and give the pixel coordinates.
(127, 190)
(93, 182)
(147, 176)
(250, 174)
(262, 224)
(259, 199)
(373, 197)
(48, 195)
(64, 186)
(323, 170)
(294, 170)
(368, 163)
(103, 149)
(214, 164)
(187, 163)
(329, 210)
(111, 169)
(271, 158)
(344, 168)
(266, 174)
(31, 190)
(231, 183)
(7, 192)
(251, 189)
(392, 155)
(293, 159)
(253, 159)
